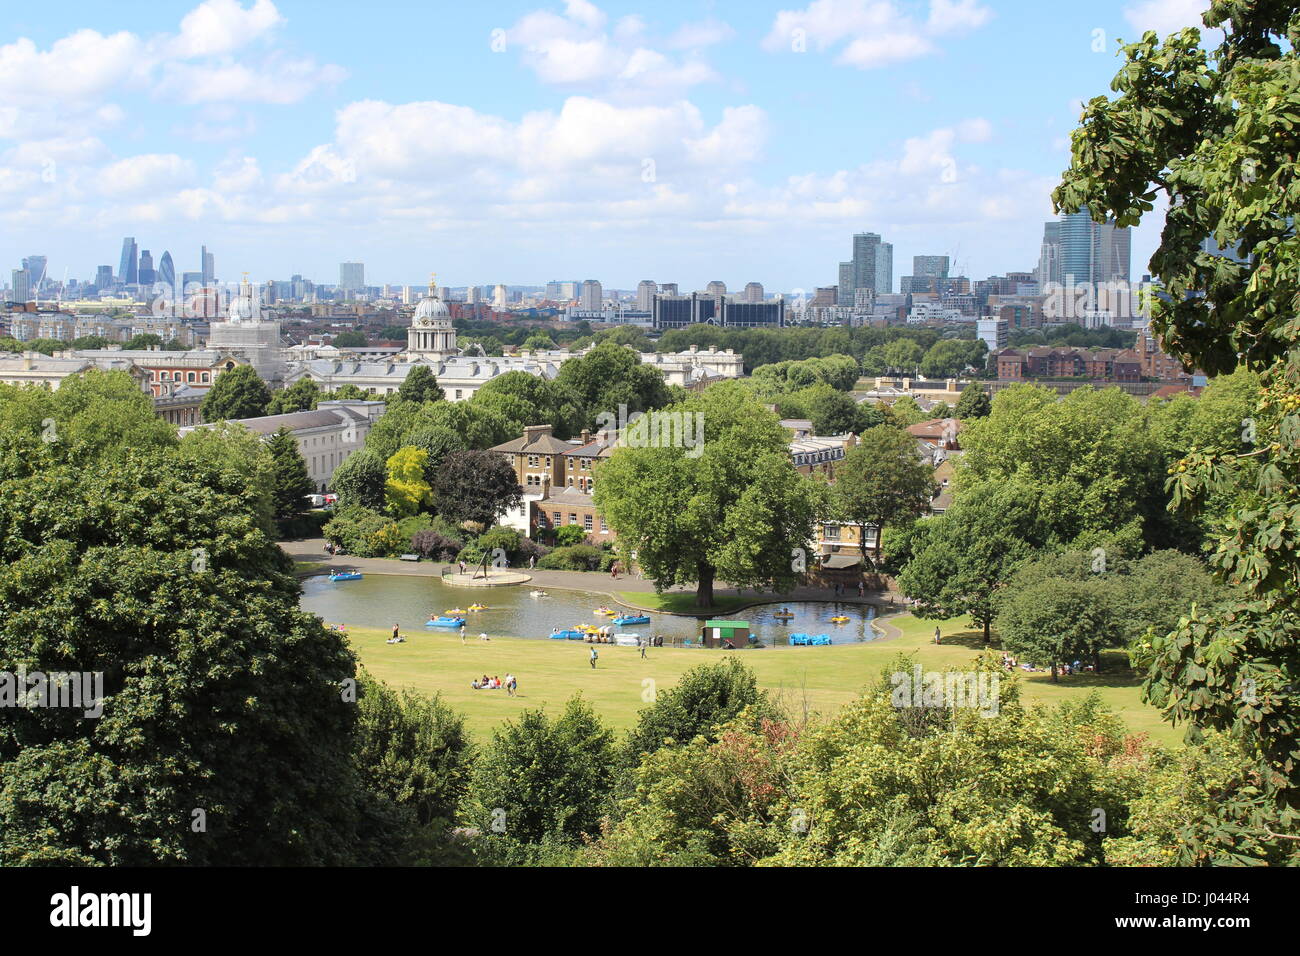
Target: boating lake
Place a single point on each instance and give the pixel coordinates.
(380, 600)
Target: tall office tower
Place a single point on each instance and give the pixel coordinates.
(35, 266)
(208, 266)
(191, 281)
(645, 294)
(145, 273)
(845, 283)
(444, 293)
(406, 295)
(668, 288)
(126, 271)
(22, 288)
(103, 277)
(590, 299)
(500, 299)
(873, 263)
(716, 287)
(1049, 256)
(166, 270)
(753, 292)
(936, 266)
(352, 276)
(1092, 251)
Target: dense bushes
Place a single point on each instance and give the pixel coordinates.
(576, 557)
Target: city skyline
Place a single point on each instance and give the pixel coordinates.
(542, 140)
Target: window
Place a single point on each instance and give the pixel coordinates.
(556, 516)
(189, 377)
(831, 532)
(573, 519)
(205, 377)
(534, 461)
(586, 522)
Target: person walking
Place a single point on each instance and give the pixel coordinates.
(593, 657)
(938, 638)
(862, 589)
(396, 633)
(462, 632)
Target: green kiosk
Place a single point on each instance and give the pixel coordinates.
(725, 634)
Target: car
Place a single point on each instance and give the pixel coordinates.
(316, 501)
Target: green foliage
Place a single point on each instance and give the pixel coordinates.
(237, 393)
(974, 403)
(570, 534)
(543, 777)
(362, 479)
(706, 697)
(420, 385)
(350, 340)
(478, 486)
(1212, 129)
(731, 507)
(607, 377)
(882, 481)
(411, 750)
(576, 557)
(302, 396)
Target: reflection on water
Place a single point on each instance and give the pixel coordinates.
(381, 600)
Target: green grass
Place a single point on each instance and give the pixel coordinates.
(816, 679)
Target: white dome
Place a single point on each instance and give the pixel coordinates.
(243, 309)
(432, 311)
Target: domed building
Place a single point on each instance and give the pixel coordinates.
(246, 334)
(431, 335)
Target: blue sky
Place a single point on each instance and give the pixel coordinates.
(521, 142)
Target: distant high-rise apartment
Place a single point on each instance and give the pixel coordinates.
(103, 277)
(352, 276)
(591, 297)
(668, 288)
(931, 266)
(208, 266)
(645, 294)
(716, 287)
(845, 283)
(500, 298)
(22, 287)
(1093, 252)
(873, 263)
(126, 271)
(753, 292)
(1049, 256)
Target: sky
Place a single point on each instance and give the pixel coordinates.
(519, 142)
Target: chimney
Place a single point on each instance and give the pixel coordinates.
(586, 436)
(534, 432)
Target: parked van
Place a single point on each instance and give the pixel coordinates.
(317, 501)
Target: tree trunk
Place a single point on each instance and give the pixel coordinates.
(704, 587)
(1096, 662)
(987, 622)
(1054, 680)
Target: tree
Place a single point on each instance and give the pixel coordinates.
(302, 396)
(974, 403)
(292, 483)
(362, 479)
(350, 340)
(1056, 619)
(420, 385)
(411, 750)
(544, 778)
(608, 377)
(962, 557)
(406, 491)
(730, 506)
(705, 698)
(880, 482)
(902, 356)
(145, 340)
(90, 342)
(154, 568)
(236, 393)
(1212, 129)
(476, 486)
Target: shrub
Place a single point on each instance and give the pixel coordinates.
(578, 557)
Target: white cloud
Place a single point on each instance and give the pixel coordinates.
(878, 32)
(83, 65)
(575, 50)
(148, 172)
(274, 80)
(1166, 16)
(238, 176)
(218, 27)
(693, 36)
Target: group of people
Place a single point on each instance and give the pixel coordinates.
(1077, 667)
(511, 684)
(841, 589)
(397, 636)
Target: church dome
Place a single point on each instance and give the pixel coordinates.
(243, 309)
(432, 311)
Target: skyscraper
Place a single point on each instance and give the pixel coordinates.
(592, 294)
(645, 294)
(126, 271)
(352, 276)
(873, 263)
(208, 266)
(103, 277)
(933, 266)
(145, 273)
(166, 270)
(1049, 256)
(22, 288)
(753, 292)
(1093, 252)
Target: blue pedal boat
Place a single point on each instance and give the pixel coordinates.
(346, 576)
(445, 621)
(632, 619)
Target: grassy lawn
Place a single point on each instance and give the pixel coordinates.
(816, 679)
